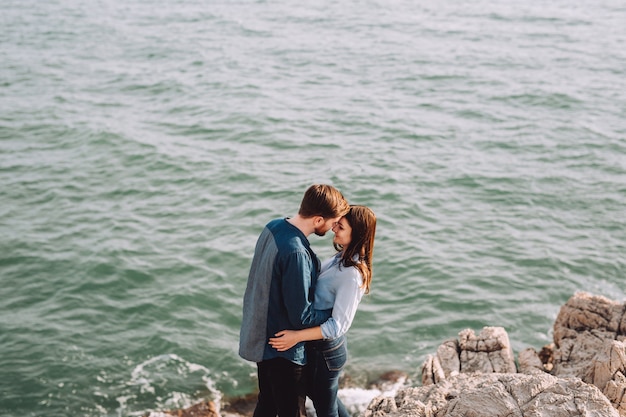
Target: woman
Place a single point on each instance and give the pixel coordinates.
(343, 280)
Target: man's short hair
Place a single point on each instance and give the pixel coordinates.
(323, 200)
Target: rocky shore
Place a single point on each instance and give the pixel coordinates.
(582, 373)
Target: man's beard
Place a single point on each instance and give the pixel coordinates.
(317, 232)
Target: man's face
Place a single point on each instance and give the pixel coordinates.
(325, 225)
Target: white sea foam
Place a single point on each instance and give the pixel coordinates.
(164, 376)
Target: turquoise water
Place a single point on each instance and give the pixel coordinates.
(144, 144)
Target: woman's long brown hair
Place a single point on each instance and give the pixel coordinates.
(363, 223)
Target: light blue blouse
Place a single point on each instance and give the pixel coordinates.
(338, 287)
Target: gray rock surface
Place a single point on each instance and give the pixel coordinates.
(487, 352)
(583, 373)
(590, 344)
(496, 395)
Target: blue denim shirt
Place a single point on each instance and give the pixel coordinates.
(279, 292)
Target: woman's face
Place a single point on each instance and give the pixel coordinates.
(343, 233)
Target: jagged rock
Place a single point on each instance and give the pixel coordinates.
(530, 362)
(546, 354)
(587, 312)
(615, 391)
(590, 343)
(496, 395)
(241, 406)
(448, 355)
(488, 352)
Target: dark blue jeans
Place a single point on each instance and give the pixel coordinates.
(325, 361)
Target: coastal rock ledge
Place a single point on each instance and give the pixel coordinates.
(581, 374)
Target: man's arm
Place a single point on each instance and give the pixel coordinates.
(296, 287)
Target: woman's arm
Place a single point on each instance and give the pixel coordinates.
(348, 295)
(286, 339)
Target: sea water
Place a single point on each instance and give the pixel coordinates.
(144, 144)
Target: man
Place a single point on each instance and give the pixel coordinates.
(279, 296)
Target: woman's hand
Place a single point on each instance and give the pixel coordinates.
(284, 340)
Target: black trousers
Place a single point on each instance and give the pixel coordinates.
(282, 389)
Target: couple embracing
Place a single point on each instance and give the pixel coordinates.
(296, 310)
